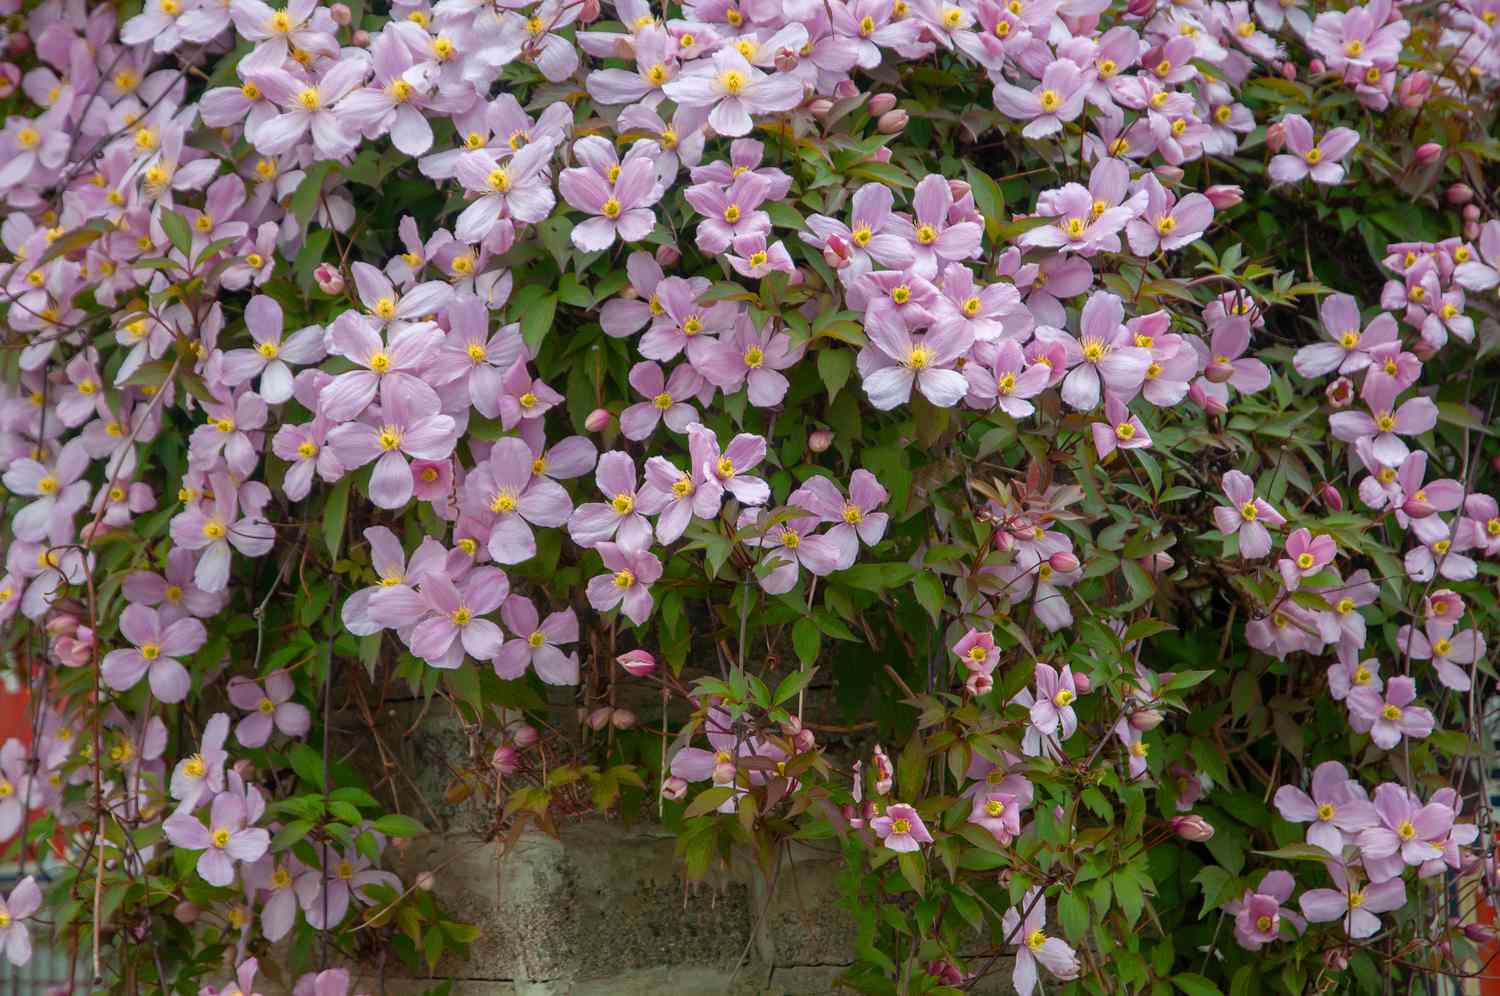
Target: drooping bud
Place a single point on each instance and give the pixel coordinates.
(1275, 137)
(1192, 827)
(880, 103)
(1428, 153)
(1146, 720)
(1415, 89)
(1158, 563)
(1331, 497)
(819, 440)
(1471, 231)
(506, 760)
(668, 255)
(525, 736)
(341, 14)
(599, 718)
(1063, 561)
(637, 663)
(1479, 933)
(674, 788)
(1141, 8)
(1459, 194)
(424, 881)
(1224, 196)
(1471, 213)
(1083, 683)
(599, 419)
(1170, 176)
(893, 122)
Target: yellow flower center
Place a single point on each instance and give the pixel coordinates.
(1263, 923)
(1325, 812)
(499, 180)
(732, 213)
(1167, 223)
(310, 99)
(1354, 47)
(662, 401)
(1036, 940)
(47, 485)
(623, 504)
(401, 91)
(1074, 228)
(1406, 831)
(150, 651)
(527, 400)
(611, 208)
(1345, 606)
(994, 807)
(1313, 156)
(1064, 697)
(390, 438)
(1362, 675)
(682, 487)
(853, 515)
(28, 137)
(213, 530)
(926, 234)
(1049, 100)
(1390, 713)
(307, 449)
(461, 616)
(732, 81)
(900, 825)
(1305, 560)
(900, 293)
(1125, 430)
(536, 639)
(384, 308)
(221, 838)
(381, 363)
(624, 579)
(918, 358)
(725, 467)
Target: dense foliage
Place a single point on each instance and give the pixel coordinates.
(1041, 451)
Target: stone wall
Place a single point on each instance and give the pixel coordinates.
(603, 910)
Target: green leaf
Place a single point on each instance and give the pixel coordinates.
(806, 640)
(335, 511)
(989, 200)
(290, 833)
(178, 231)
(308, 764)
(536, 322)
(1217, 885)
(1195, 985)
(792, 684)
(929, 589)
(309, 191)
(914, 870)
(397, 825)
(1073, 914)
(834, 366)
(707, 801)
(1296, 852)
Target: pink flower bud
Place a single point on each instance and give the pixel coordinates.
(1428, 153)
(892, 122)
(844, 89)
(341, 14)
(819, 440)
(1158, 563)
(525, 736)
(674, 788)
(1146, 720)
(960, 189)
(1193, 827)
(599, 419)
(1314, 68)
(1471, 231)
(1331, 497)
(18, 44)
(979, 683)
(1479, 933)
(1340, 392)
(328, 278)
(1063, 561)
(1336, 959)
(724, 773)
(1470, 213)
(185, 912)
(804, 741)
(637, 663)
(1224, 196)
(1459, 194)
(599, 718)
(62, 624)
(362, 38)
(668, 255)
(506, 760)
(881, 155)
(837, 253)
(622, 719)
(1170, 176)
(787, 59)
(819, 108)
(1415, 89)
(1141, 8)
(589, 12)
(10, 77)
(1083, 683)
(1275, 137)
(425, 880)
(880, 103)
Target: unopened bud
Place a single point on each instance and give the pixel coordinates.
(185, 912)
(424, 881)
(525, 736)
(505, 760)
(328, 279)
(724, 773)
(599, 718)
(1275, 137)
(1471, 230)
(1470, 213)
(787, 59)
(960, 189)
(836, 253)
(1083, 684)
(804, 741)
(1428, 153)
(1158, 563)
(668, 255)
(1063, 561)
(1415, 89)
(1459, 194)
(980, 683)
(674, 788)
(362, 38)
(881, 155)
(1193, 827)
(1224, 196)
(844, 89)
(880, 103)
(62, 624)
(893, 122)
(1170, 176)
(1210, 403)
(819, 440)
(1331, 497)
(341, 14)
(1479, 933)
(1146, 720)
(589, 12)
(622, 719)
(819, 108)
(1140, 8)
(1314, 68)
(18, 44)
(637, 663)
(599, 419)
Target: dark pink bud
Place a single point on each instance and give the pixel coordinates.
(674, 788)
(1428, 153)
(880, 103)
(1479, 933)
(1331, 497)
(1415, 89)
(1471, 231)
(668, 255)
(1083, 683)
(526, 736)
(892, 122)
(1158, 563)
(1314, 68)
(1192, 827)
(1141, 8)
(1146, 720)
(341, 14)
(599, 718)
(1340, 392)
(960, 189)
(805, 741)
(1470, 213)
(1336, 959)
(62, 624)
(1224, 196)
(599, 419)
(637, 663)
(18, 44)
(1459, 194)
(506, 760)
(979, 683)
(589, 12)
(1063, 561)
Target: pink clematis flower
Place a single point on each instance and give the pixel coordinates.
(753, 358)
(729, 90)
(199, 777)
(1247, 516)
(1024, 927)
(156, 652)
(410, 349)
(271, 355)
(855, 519)
(537, 643)
(505, 489)
(617, 517)
(718, 472)
(1337, 810)
(934, 239)
(1356, 906)
(453, 625)
(58, 490)
(901, 828)
(627, 583)
(1389, 717)
(894, 362)
(1259, 914)
(1385, 423)
(228, 839)
(270, 707)
(1167, 223)
(1057, 99)
(1121, 429)
(1320, 160)
(15, 938)
(1405, 832)
(404, 430)
(1450, 653)
(1306, 555)
(519, 189)
(664, 399)
(620, 200)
